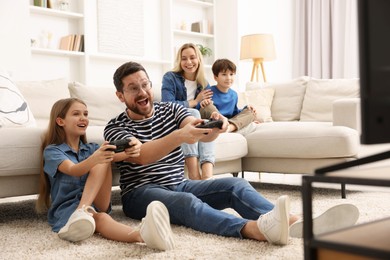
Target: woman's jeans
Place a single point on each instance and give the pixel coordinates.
(202, 150)
(199, 204)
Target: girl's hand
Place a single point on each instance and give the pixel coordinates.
(105, 153)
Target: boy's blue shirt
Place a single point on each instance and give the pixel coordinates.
(226, 103)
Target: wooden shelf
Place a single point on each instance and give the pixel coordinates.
(56, 13)
(119, 57)
(196, 3)
(56, 52)
(193, 34)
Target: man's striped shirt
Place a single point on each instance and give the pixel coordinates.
(169, 170)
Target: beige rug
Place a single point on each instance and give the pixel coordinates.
(25, 235)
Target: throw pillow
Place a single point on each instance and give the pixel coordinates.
(42, 94)
(261, 100)
(102, 102)
(320, 95)
(14, 110)
(287, 100)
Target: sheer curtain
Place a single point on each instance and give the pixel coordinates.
(326, 39)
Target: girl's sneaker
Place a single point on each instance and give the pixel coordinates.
(80, 225)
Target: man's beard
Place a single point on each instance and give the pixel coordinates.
(134, 109)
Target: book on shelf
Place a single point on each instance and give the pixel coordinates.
(77, 41)
(65, 43)
(44, 3)
(201, 27)
(195, 27)
(72, 42)
(81, 43)
(40, 3)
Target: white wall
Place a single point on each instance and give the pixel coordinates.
(268, 16)
(236, 18)
(14, 49)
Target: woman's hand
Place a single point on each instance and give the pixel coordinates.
(203, 95)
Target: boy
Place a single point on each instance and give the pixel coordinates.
(225, 99)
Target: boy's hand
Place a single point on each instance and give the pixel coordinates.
(205, 103)
(251, 108)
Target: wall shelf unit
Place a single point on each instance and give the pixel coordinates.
(95, 66)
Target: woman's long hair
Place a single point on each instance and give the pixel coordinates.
(55, 134)
(200, 74)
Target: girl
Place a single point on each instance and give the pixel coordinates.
(76, 182)
(185, 85)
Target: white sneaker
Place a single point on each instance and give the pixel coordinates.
(155, 228)
(80, 225)
(274, 224)
(337, 217)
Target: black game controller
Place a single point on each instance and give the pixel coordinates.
(121, 145)
(211, 124)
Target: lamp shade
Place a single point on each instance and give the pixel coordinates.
(257, 46)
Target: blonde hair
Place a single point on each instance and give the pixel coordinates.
(55, 134)
(200, 74)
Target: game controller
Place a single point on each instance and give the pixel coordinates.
(121, 145)
(211, 124)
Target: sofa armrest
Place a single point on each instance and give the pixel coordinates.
(346, 112)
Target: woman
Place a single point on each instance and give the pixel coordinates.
(185, 85)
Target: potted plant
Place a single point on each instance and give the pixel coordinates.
(206, 51)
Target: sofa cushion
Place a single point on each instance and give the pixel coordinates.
(261, 100)
(320, 95)
(287, 99)
(230, 146)
(102, 102)
(14, 110)
(298, 139)
(20, 150)
(41, 95)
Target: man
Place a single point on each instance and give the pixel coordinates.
(157, 172)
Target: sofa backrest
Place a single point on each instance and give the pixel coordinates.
(102, 102)
(306, 98)
(320, 95)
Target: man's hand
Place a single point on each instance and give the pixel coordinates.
(190, 134)
(135, 148)
(218, 116)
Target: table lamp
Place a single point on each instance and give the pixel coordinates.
(259, 48)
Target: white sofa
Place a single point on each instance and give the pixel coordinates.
(308, 123)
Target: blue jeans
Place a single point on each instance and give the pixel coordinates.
(198, 204)
(202, 150)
